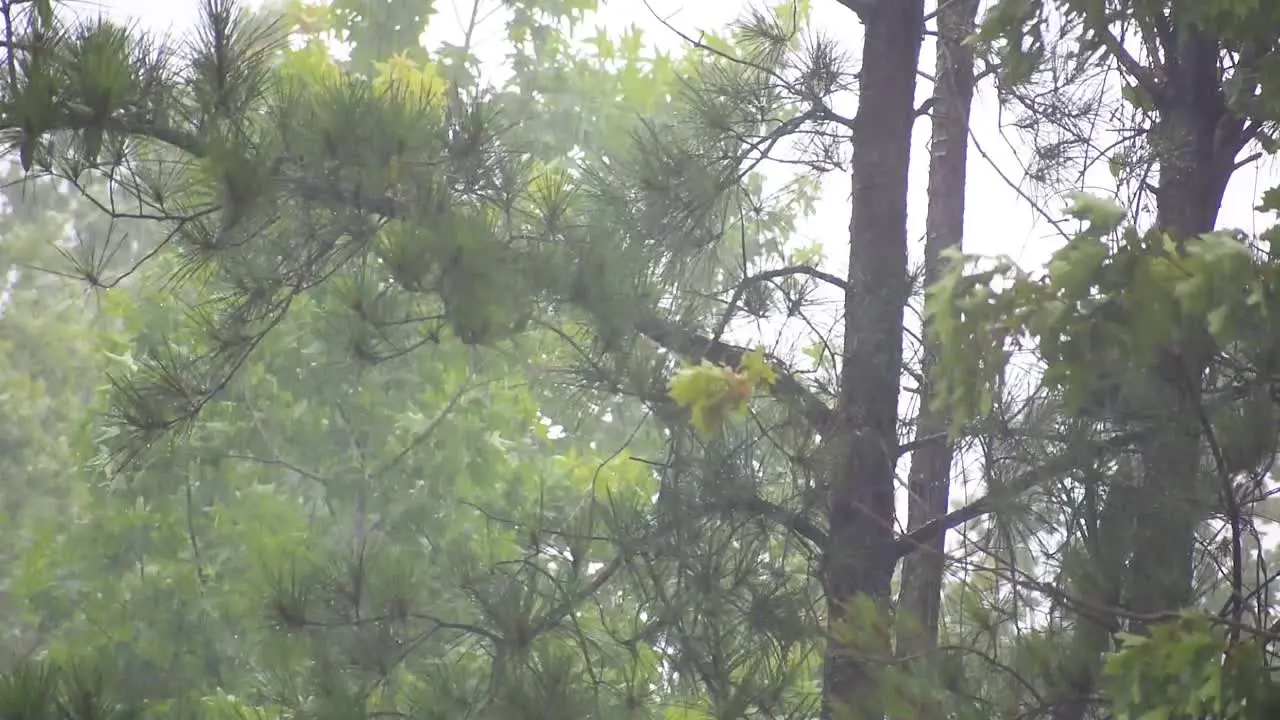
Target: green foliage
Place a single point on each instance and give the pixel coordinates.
(393, 423)
(1188, 668)
(38, 692)
(321, 478)
(1109, 300)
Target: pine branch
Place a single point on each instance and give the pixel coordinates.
(786, 389)
(78, 117)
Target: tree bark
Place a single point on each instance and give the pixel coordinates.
(929, 479)
(1197, 140)
(862, 443)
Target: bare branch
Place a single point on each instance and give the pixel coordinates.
(1144, 77)
(762, 277)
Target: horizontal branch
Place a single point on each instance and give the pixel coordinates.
(796, 522)
(1051, 469)
(928, 532)
(917, 443)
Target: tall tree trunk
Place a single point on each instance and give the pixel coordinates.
(860, 559)
(929, 479)
(1197, 140)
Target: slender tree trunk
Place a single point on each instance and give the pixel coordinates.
(860, 560)
(929, 479)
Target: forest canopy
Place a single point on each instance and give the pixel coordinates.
(343, 381)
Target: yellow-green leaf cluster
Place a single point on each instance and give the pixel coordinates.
(403, 76)
(715, 393)
(310, 66)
